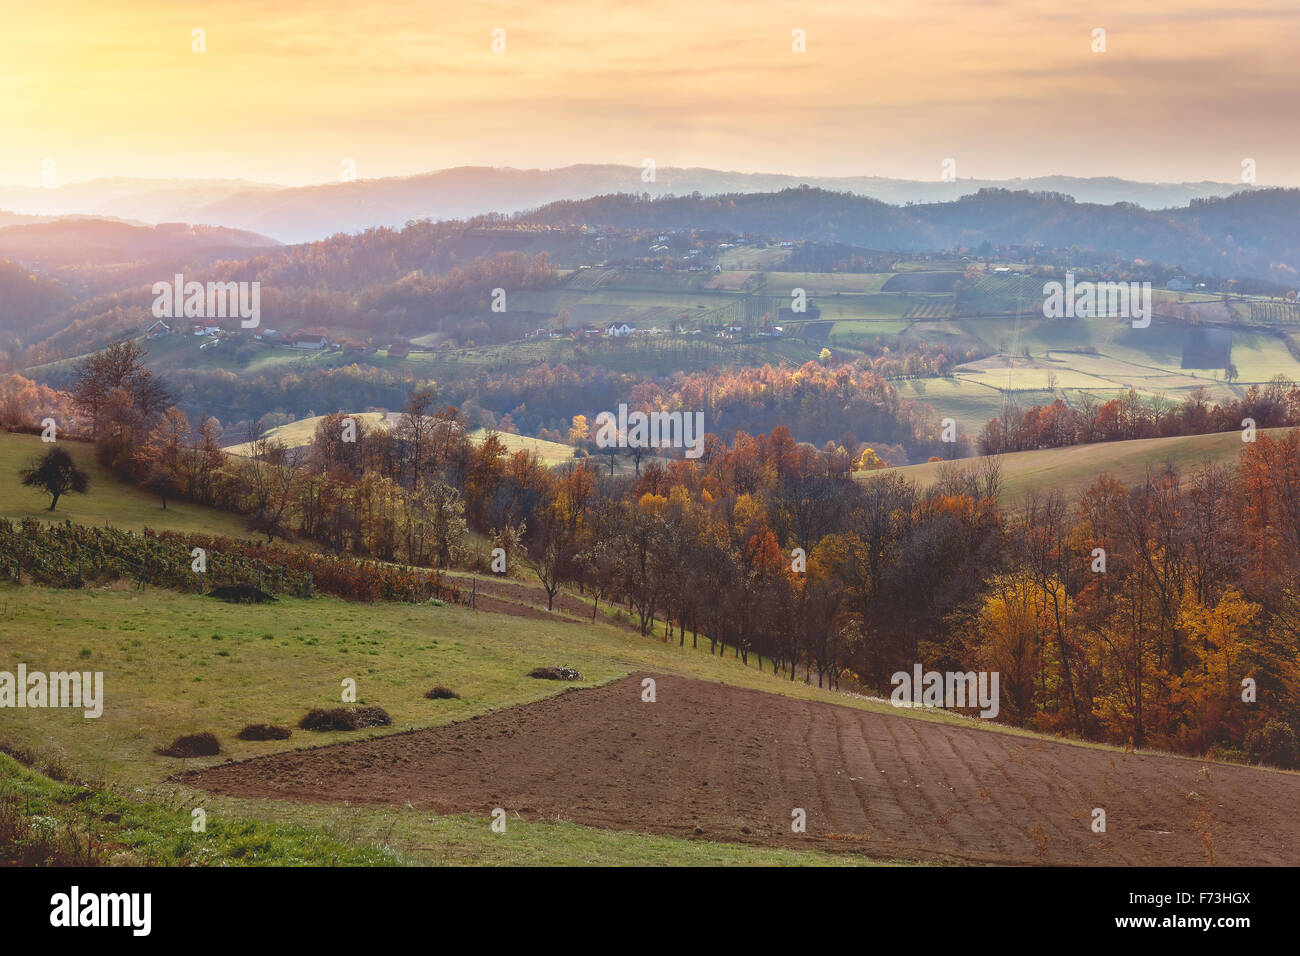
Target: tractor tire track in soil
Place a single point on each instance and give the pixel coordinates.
(712, 761)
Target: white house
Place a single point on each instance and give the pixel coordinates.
(316, 342)
(619, 331)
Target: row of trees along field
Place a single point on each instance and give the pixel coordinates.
(1197, 591)
(1090, 419)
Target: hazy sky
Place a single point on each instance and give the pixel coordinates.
(288, 89)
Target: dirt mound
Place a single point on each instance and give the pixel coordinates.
(722, 763)
(345, 718)
(241, 594)
(264, 732)
(192, 745)
(442, 693)
(555, 673)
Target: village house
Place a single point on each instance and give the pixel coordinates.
(621, 330)
(316, 341)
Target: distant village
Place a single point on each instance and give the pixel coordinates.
(306, 339)
(318, 340)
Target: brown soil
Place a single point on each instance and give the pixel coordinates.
(192, 745)
(527, 599)
(716, 762)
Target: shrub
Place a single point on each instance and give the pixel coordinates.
(344, 718)
(192, 745)
(241, 594)
(442, 693)
(264, 732)
(1274, 744)
(555, 673)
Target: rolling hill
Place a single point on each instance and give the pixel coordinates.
(109, 500)
(1071, 470)
(299, 434)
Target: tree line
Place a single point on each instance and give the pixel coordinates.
(1274, 404)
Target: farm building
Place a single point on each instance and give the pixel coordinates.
(308, 340)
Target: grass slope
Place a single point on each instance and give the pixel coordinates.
(299, 433)
(107, 500)
(176, 664)
(1072, 469)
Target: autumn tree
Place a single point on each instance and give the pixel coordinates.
(116, 382)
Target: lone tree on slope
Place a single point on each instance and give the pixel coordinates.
(55, 474)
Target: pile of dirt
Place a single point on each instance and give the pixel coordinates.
(241, 594)
(345, 718)
(264, 732)
(442, 693)
(192, 745)
(555, 673)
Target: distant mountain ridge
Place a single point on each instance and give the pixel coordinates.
(80, 240)
(305, 213)
(1255, 234)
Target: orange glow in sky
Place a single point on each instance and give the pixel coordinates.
(286, 91)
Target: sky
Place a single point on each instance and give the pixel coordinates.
(286, 91)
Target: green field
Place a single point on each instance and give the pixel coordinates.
(750, 258)
(828, 283)
(550, 452)
(108, 499)
(847, 332)
(1071, 470)
(969, 403)
(299, 434)
(176, 664)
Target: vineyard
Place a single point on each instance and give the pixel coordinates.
(999, 295)
(73, 556)
(939, 309)
(1274, 312)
